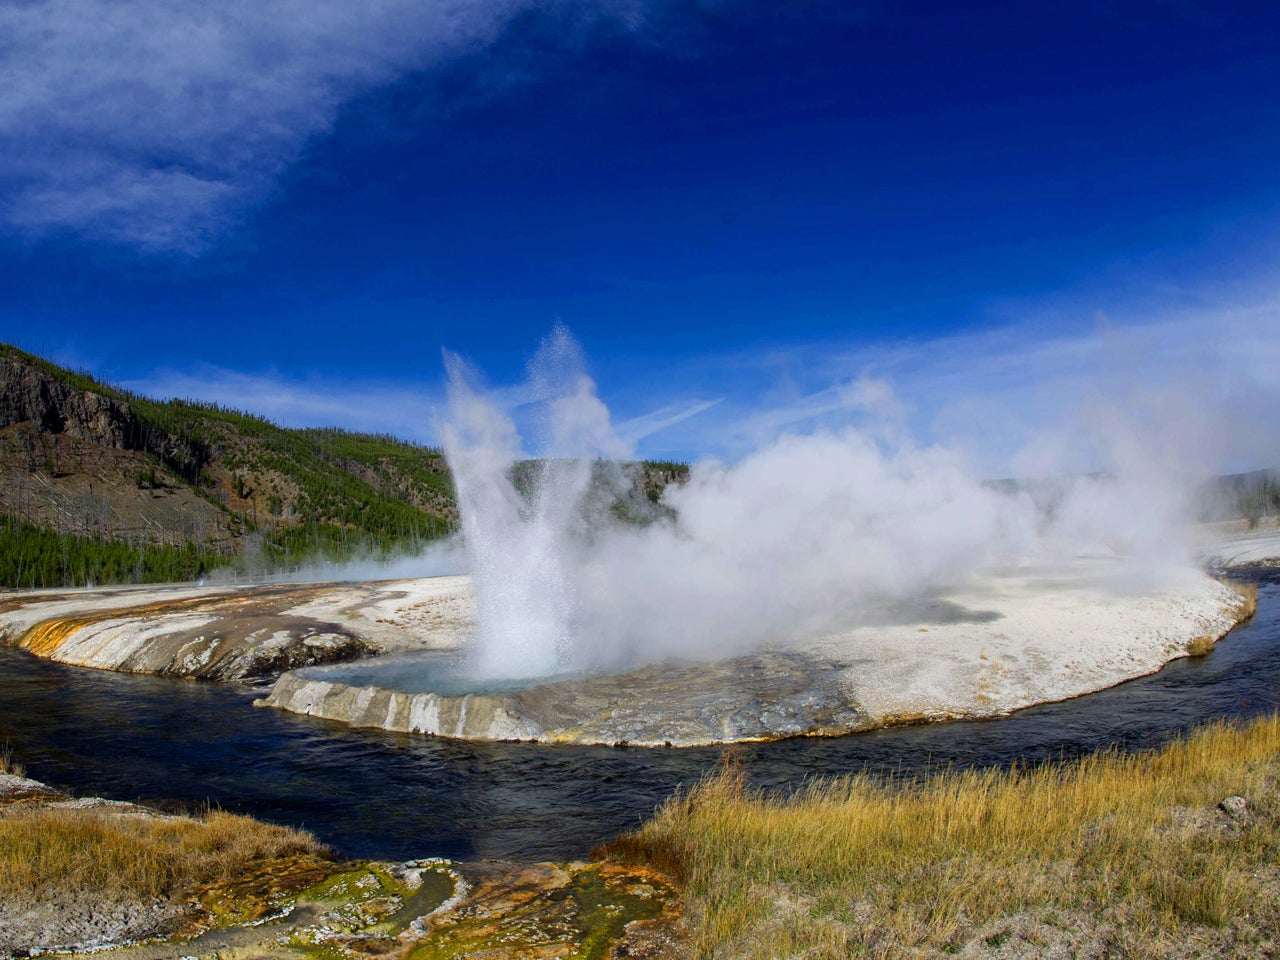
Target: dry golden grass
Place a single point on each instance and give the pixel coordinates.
(100, 852)
(1201, 646)
(1248, 604)
(8, 764)
(1245, 607)
(854, 866)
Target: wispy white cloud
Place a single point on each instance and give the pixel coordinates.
(1014, 400)
(995, 393)
(406, 411)
(157, 123)
(637, 428)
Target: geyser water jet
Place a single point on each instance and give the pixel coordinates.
(520, 542)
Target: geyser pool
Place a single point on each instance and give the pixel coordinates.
(1002, 643)
(445, 674)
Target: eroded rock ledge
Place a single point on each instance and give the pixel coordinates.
(234, 632)
(748, 698)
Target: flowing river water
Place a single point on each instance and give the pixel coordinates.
(368, 793)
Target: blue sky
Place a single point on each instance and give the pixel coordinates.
(756, 217)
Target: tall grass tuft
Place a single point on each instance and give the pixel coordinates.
(8, 764)
(855, 864)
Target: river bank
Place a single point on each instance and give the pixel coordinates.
(121, 880)
(1167, 854)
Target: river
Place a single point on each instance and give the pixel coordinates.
(182, 744)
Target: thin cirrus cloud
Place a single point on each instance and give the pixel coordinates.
(408, 412)
(1015, 399)
(638, 428)
(156, 125)
(1200, 385)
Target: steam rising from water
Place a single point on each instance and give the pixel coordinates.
(808, 534)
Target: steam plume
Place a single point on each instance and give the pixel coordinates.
(807, 534)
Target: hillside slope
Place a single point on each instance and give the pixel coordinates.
(93, 464)
(101, 485)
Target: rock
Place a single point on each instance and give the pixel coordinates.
(184, 641)
(27, 395)
(247, 633)
(764, 696)
(13, 787)
(1234, 806)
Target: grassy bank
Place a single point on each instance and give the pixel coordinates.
(48, 852)
(1113, 855)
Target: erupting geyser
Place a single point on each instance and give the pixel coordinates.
(827, 582)
(808, 534)
(520, 542)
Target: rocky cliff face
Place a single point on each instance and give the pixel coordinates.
(55, 407)
(29, 396)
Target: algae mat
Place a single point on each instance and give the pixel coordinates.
(433, 910)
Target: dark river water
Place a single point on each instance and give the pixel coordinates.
(394, 796)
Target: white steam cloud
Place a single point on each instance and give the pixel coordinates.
(809, 533)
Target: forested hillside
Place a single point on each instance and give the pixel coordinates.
(101, 485)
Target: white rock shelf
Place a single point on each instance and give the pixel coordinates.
(1008, 640)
